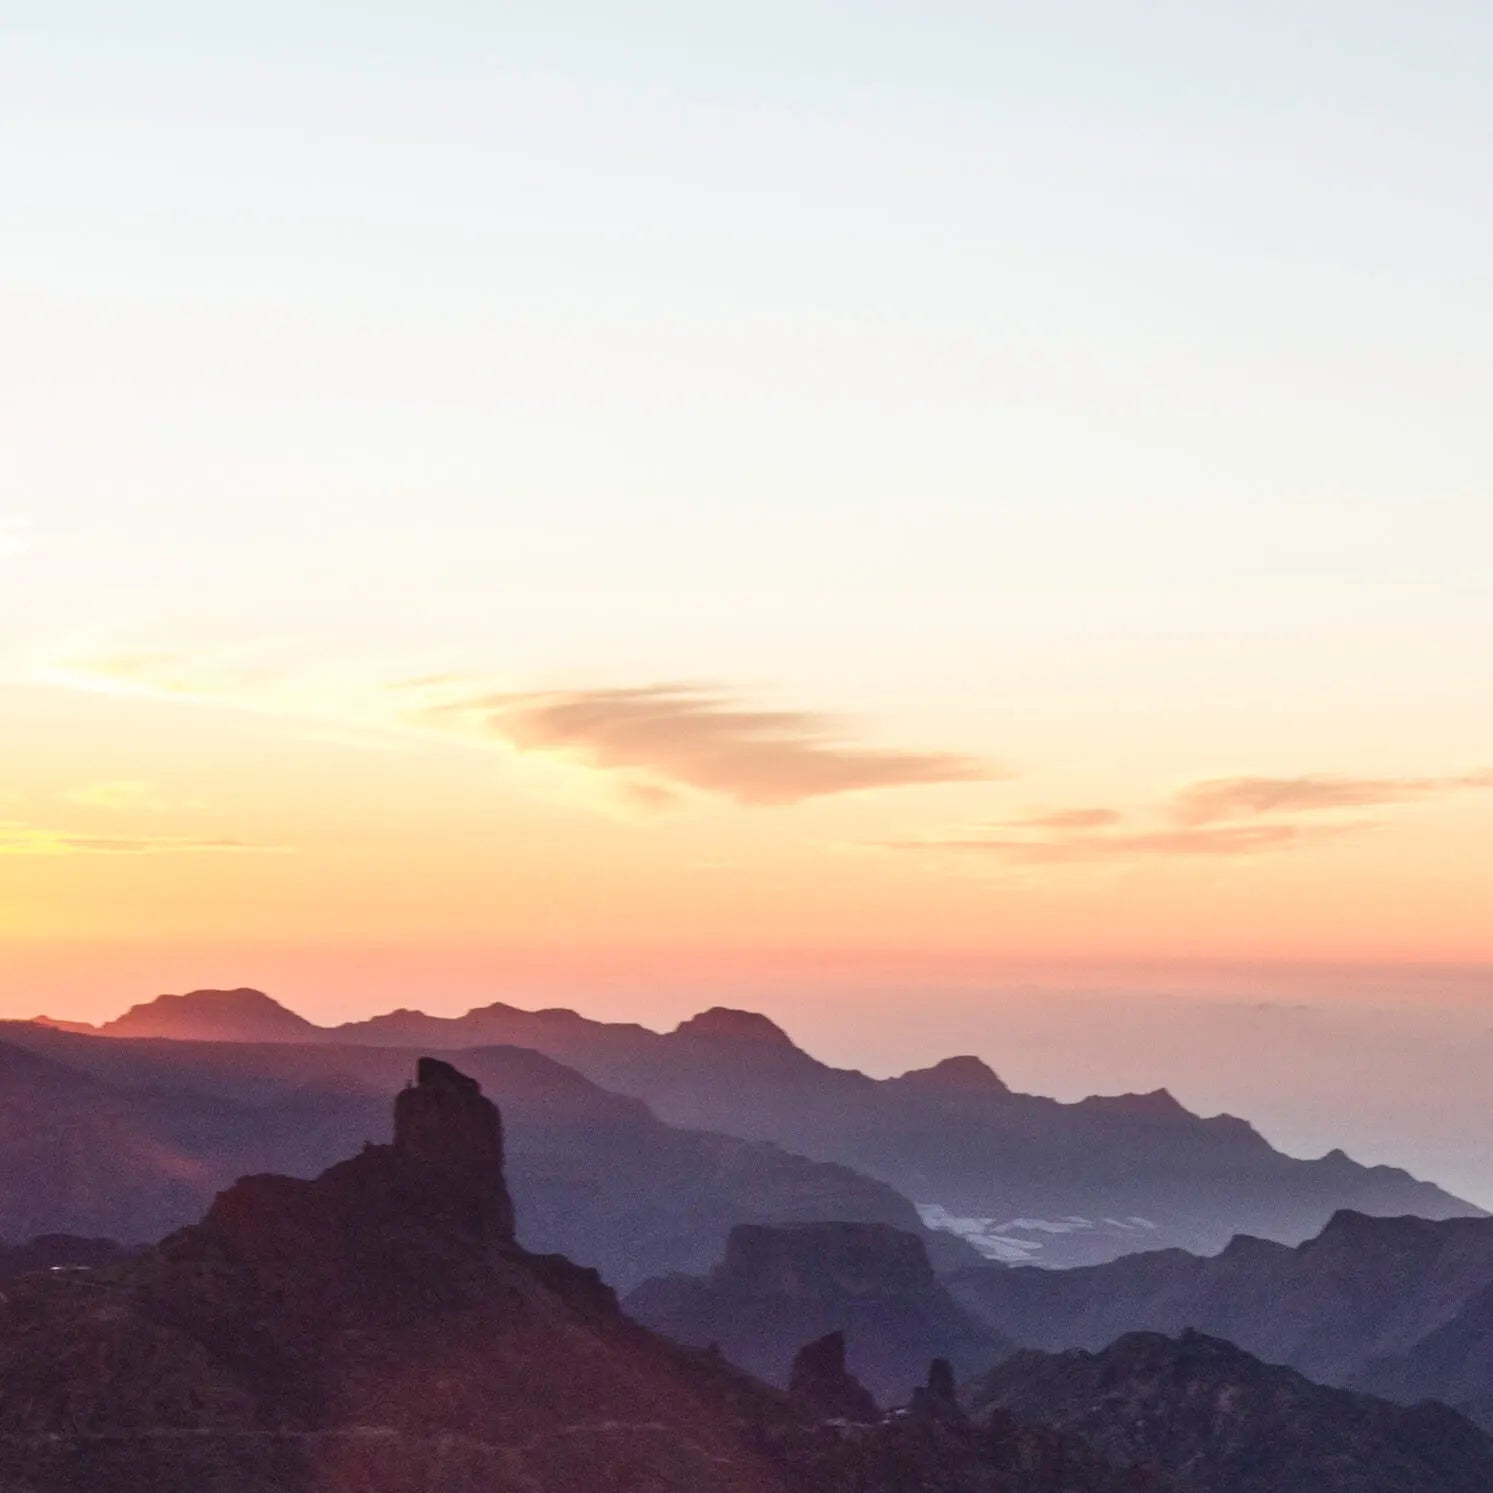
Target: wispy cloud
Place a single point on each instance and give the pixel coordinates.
(1216, 799)
(1066, 819)
(670, 737)
(1070, 849)
(24, 839)
(651, 745)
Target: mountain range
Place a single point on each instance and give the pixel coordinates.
(379, 1330)
(1020, 1177)
(1224, 1422)
(132, 1139)
(1401, 1307)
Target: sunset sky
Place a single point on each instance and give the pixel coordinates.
(679, 498)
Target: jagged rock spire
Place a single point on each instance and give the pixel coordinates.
(821, 1382)
(938, 1399)
(444, 1124)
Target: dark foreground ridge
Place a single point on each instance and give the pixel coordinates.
(378, 1330)
(1397, 1307)
(1231, 1424)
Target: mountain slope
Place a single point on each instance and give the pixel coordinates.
(1021, 1176)
(778, 1285)
(153, 1129)
(80, 1155)
(1227, 1423)
(1369, 1302)
(379, 1330)
(1454, 1363)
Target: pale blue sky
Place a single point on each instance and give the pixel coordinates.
(906, 300)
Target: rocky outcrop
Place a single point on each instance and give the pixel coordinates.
(378, 1330)
(820, 1381)
(1453, 1362)
(446, 1129)
(133, 1139)
(871, 1283)
(1370, 1303)
(1227, 1423)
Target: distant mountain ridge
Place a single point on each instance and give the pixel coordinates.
(131, 1139)
(1020, 1176)
(379, 1329)
(1398, 1307)
(1227, 1423)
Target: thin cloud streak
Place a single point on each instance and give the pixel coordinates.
(1066, 819)
(1216, 799)
(21, 839)
(1223, 841)
(656, 744)
(697, 737)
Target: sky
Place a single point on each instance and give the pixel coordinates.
(641, 501)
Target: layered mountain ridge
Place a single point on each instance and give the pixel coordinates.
(1400, 1307)
(1228, 1423)
(1021, 1177)
(130, 1139)
(379, 1330)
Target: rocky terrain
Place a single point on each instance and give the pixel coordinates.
(133, 1138)
(58, 1252)
(868, 1283)
(1453, 1362)
(1023, 1177)
(1224, 1422)
(1396, 1306)
(379, 1329)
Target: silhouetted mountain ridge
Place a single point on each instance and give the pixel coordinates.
(132, 1138)
(379, 1330)
(1021, 1176)
(1229, 1423)
(1401, 1307)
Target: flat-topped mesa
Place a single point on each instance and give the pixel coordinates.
(444, 1124)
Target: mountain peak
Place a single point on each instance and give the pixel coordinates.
(444, 1123)
(820, 1381)
(724, 1023)
(965, 1073)
(1156, 1104)
(58, 1024)
(438, 1192)
(239, 1015)
(443, 1117)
